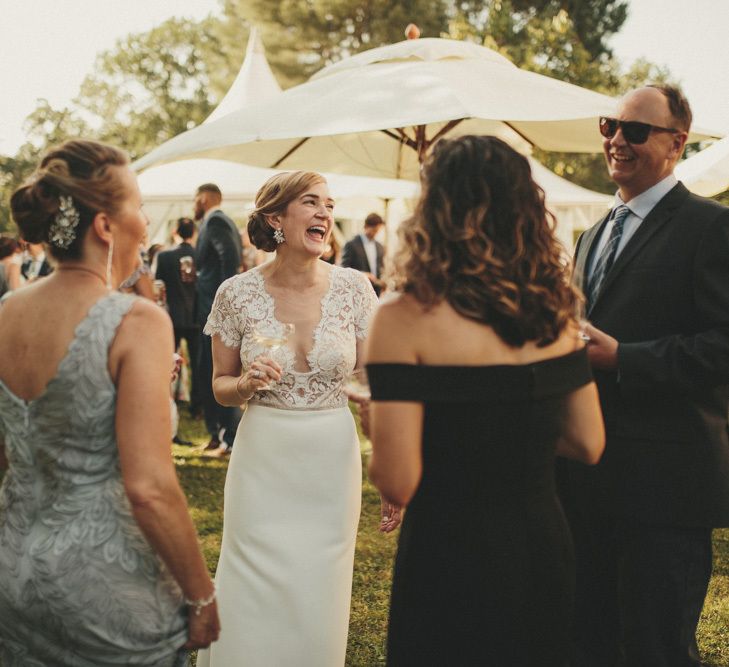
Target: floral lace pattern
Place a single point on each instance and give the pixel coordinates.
(79, 583)
(243, 303)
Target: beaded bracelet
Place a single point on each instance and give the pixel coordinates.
(198, 605)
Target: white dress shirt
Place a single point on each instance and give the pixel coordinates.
(370, 246)
(640, 207)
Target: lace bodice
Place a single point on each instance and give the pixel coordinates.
(242, 304)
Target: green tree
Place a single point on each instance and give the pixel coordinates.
(156, 84)
(302, 36)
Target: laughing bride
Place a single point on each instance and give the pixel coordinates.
(286, 336)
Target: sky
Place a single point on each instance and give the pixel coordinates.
(47, 47)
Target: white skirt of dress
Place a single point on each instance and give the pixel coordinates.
(292, 503)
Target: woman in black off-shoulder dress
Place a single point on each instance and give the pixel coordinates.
(478, 378)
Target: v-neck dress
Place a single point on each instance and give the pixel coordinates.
(293, 488)
(79, 583)
(484, 573)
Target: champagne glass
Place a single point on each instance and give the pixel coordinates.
(357, 384)
(272, 337)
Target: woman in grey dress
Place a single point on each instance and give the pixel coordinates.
(99, 563)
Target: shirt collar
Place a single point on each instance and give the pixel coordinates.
(210, 213)
(644, 203)
(365, 240)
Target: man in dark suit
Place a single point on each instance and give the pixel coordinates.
(35, 265)
(655, 273)
(176, 268)
(218, 257)
(365, 254)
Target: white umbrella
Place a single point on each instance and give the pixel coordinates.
(363, 115)
(707, 172)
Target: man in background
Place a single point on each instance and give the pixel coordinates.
(218, 256)
(35, 265)
(365, 254)
(177, 269)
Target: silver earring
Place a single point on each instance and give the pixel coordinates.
(278, 236)
(109, 257)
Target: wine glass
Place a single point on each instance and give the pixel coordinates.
(272, 337)
(357, 384)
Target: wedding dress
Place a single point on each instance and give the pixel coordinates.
(293, 488)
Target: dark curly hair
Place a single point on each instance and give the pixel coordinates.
(79, 168)
(482, 239)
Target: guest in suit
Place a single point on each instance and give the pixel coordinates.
(35, 264)
(176, 267)
(365, 254)
(218, 257)
(655, 273)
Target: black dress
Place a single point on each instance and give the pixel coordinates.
(484, 570)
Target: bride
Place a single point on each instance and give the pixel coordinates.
(292, 493)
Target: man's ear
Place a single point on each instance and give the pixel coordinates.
(678, 145)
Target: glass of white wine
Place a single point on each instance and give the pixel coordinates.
(357, 383)
(272, 337)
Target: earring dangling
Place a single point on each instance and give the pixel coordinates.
(109, 256)
(278, 236)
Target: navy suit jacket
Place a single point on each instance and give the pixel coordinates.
(218, 258)
(180, 296)
(355, 257)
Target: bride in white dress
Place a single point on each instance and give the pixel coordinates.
(293, 489)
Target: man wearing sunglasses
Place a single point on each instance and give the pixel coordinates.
(655, 273)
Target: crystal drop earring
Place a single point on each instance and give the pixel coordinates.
(109, 257)
(278, 236)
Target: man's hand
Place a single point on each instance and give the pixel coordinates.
(602, 349)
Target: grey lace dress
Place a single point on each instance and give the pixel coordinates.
(79, 583)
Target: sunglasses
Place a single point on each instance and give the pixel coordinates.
(633, 131)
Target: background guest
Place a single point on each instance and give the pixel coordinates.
(365, 254)
(98, 554)
(218, 256)
(333, 251)
(176, 267)
(478, 376)
(35, 265)
(10, 260)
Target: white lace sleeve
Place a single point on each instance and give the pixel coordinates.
(365, 302)
(227, 316)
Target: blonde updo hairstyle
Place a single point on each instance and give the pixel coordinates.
(83, 170)
(272, 199)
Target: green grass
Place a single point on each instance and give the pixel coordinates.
(203, 480)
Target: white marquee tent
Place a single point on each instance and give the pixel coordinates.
(707, 172)
(168, 188)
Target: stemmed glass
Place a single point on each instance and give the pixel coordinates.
(357, 384)
(272, 337)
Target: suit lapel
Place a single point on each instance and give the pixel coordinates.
(585, 249)
(661, 213)
(362, 254)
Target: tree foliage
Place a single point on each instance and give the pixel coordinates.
(151, 86)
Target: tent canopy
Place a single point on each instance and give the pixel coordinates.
(707, 173)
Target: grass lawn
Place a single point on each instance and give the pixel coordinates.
(203, 479)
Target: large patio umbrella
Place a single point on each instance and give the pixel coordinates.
(377, 113)
(707, 172)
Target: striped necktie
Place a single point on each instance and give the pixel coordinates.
(607, 256)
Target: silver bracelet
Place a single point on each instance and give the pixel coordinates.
(197, 605)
